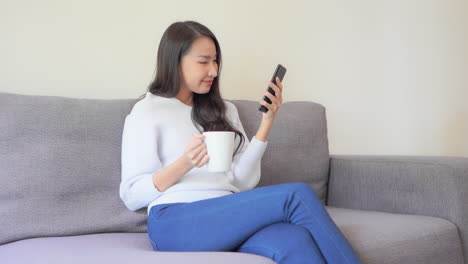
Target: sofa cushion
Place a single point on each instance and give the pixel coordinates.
(60, 167)
(112, 248)
(298, 144)
(394, 238)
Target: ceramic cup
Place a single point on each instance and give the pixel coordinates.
(220, 147)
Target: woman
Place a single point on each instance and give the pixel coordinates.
(192, 209)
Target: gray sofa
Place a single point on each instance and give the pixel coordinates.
(60, 175)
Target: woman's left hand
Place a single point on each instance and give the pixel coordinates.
(276, 100)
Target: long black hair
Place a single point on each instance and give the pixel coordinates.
(208, 110)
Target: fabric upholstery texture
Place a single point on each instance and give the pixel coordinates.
(431, 186)
(115, 248)
(60, 167)
(297, 151)
(399, 238)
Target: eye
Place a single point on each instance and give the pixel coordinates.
(203, 62)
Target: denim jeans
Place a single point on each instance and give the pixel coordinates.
(285, 222)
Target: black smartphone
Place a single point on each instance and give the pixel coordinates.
(279, 72)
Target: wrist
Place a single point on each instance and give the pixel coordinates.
(185, 163)
(264, 130)
(266, 123)
(268, 118)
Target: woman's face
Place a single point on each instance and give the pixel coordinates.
(199, 67)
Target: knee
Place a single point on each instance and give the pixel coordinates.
(300, 187)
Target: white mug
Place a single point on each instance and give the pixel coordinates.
(220, 147)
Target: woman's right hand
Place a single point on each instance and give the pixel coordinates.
(195, 153)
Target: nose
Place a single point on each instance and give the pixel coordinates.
(213, 70)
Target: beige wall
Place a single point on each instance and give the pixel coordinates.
(392, 74)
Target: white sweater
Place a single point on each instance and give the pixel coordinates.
(155, 135)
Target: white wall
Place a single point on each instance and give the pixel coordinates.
(392, 74)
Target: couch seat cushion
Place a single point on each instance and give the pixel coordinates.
(112, 248)
(394, 238)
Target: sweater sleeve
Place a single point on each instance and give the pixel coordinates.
(246, 165)
(139, 161)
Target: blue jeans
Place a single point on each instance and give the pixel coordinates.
(285, 222)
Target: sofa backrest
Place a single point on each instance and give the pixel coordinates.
(297, 145)
(60, 167)
(60, 162)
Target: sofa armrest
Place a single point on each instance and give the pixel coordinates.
(432, 186)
